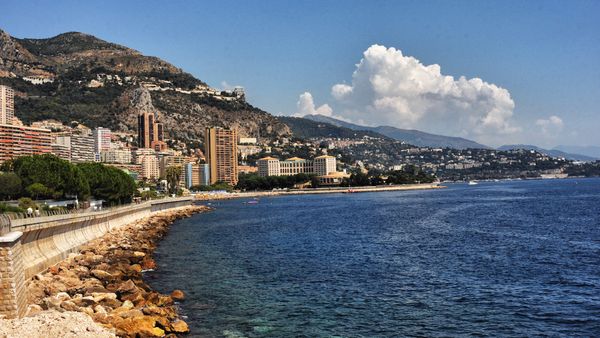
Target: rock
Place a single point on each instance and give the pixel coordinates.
(62, 296)
(127, 287)
(84, 301)
(88, 310)
(32, 310)
(69, 306)
(144, 325)
(101, 296)
(101, 274)
(135, 268)
(177, 295)
(128, 313)
(99, 309)
(179, 326)
(127, 304)
(148, 264)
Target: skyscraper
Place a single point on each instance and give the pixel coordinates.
(220, 149)
(7, 105)
(150, 132)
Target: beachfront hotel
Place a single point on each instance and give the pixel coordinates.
(220, 149)
(271, 166)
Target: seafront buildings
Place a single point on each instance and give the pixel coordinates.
(220, 149)
(321, 165)
(15, 138)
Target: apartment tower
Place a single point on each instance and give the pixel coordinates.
(220, 149)
(150, 132)
(7, 105)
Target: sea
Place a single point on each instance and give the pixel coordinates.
(497, 259)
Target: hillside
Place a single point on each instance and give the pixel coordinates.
(550, 152)
(98, 83)
(414, 137)
(307, 128)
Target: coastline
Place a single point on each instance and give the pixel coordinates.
(104, 281)
(338, 190)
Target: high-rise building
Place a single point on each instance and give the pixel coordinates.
(150, 132)
(7, 105)
(18, 141)
(192, 175)
(204, 174)
(81, 147)
(221, 154)
(122, 156)
(150, 167)
(102, 140)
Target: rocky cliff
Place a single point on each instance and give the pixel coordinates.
(98, 83)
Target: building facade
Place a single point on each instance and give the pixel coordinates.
(122, 156)
(150, 132)
(221, 154)
(102, 140)
(268, 166)
(16, 141)
(204, 174)
(81, 147)
(7, 105)
(324, 165)
(150, 168)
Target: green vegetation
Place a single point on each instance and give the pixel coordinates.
(47, 176)
(255, 182)
(108, 183)
(10, 185)
(173, 178)
(219, 186)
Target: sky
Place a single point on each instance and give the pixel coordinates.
(498, 72)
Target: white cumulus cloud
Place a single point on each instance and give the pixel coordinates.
(306, 106)
(551, 125)
(390, 88)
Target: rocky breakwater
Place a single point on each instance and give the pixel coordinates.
(105, 281)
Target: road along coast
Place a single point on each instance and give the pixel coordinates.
(105, 281)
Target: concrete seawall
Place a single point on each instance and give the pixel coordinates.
(34, 244)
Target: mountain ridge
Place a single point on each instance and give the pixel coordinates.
(411, 136)
(86, 79)
(550, 152)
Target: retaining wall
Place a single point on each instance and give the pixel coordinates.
(34, 244)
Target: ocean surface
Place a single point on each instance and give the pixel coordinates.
(519, 258)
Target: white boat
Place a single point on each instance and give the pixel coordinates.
(473, 183)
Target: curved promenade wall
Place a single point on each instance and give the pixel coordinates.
(34, 244)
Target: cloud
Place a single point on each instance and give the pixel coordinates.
(306, 106)
(551, 125)
(390, 88)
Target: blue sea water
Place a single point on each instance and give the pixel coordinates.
(518, 258)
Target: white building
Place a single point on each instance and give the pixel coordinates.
(268, 166)
(122, 156)
(324, 165)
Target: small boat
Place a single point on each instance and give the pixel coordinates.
(252, 202)
(473, 183)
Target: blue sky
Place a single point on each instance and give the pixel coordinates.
(545, 54)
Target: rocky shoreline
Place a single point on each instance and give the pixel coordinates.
(104, 280)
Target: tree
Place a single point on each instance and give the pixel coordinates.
(36, 190)
(173, 177)
(108, 183)
(61, 177)
(10, 185)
